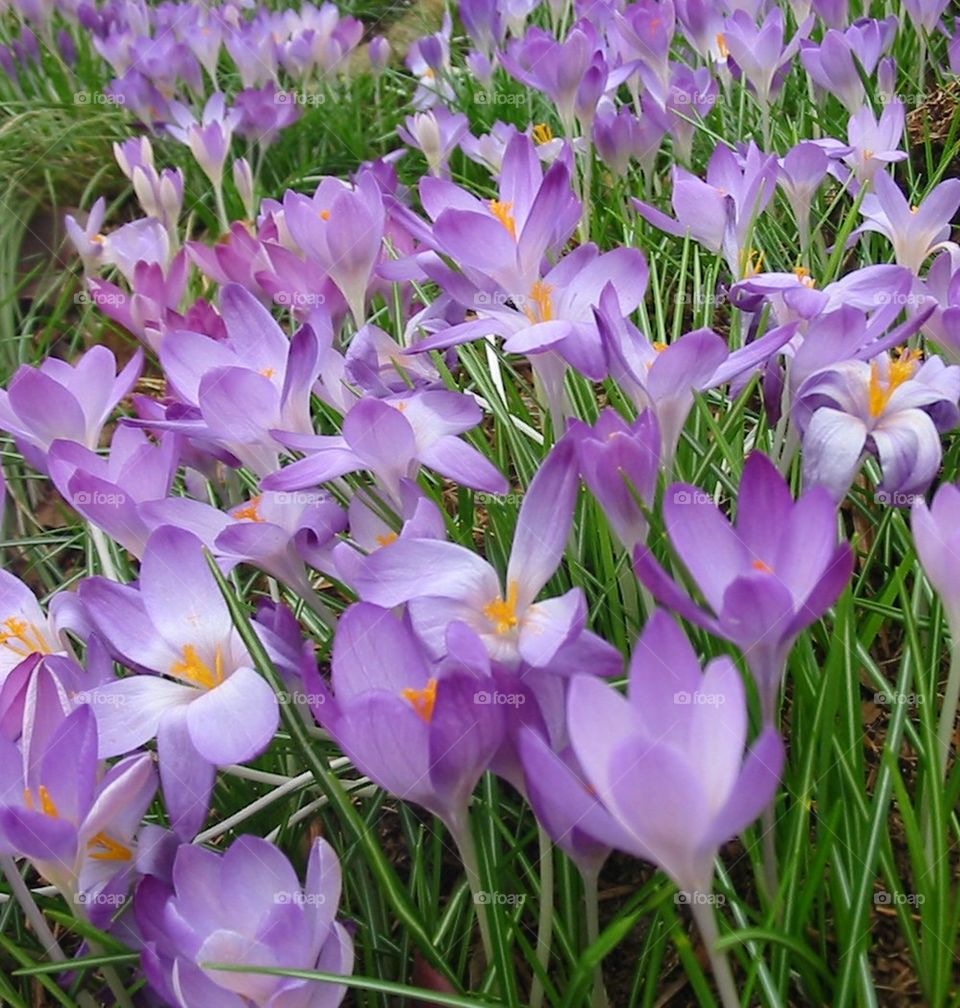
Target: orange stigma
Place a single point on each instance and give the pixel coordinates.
(47, 805)
(194, 668)
(900, 370)
(541, 303)
(759, 565)
(250, 511)
(105, 848)
(23, 638)
(502, 613)
(504, 213)
(386, 540)
(423, 700)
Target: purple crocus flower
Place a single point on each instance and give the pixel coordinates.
(894, 408)
(341, 229)
(76, 825)
(720, 212)
(765, 577)
(925, 14)
(556, 313)
(436, 133)
(26, 630)
(277, 532)
(874, 143)
(64, 401)
(667, 762)
(264, 112)
(802, 171)
(833, 63)
(444, 582)
(555, 68)
(665, 378)
(441, 738)
(942, 287)
(759, 53)
(108, 491)
(915, 232)
(205, 705)
(244, 907)
(239, 389)
(619, 462)
(936, 535)
(620, 136)
(392, 438)
(209, 139)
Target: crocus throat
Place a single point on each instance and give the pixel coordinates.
(386, 540)
(722, 45)
(501, 612)
(542, 134)
(23, 638)
(423, 700)
(47, 805)
(901, 370)
(104, 848)
(194, 668)
(540, 308)
(759, 565)
(250, 511)
(504, 213)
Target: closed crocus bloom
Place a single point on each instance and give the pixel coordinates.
(765, 577)
(68, 401)
(619, 462)
(205, 705)
(936, 535)
(667, 761)
(245, 907)
(893, 407)
(341, 229)
(443, 733)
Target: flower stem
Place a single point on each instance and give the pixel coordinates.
(545, 919)
(705, 920)
(948, 711)
(463, 837)
(591, 900)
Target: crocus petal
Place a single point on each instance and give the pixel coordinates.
(244, 710)
(129, 711)
(832, 446)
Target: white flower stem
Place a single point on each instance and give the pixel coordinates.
(591, 900)
(545, 918)
(706, 921)
(463, 837)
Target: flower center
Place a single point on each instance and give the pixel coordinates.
(194, 668)
(542, 134)
(541, 303)
(47, 806)
(104, 848)
(722, 45)
(423, 700)
(752, 262)
(250, 511)
(504, 213)
(502, 613)
(901, 370)
(23, 638)
(324, 215)
(385, 540)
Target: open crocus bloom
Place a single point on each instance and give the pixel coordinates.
(61, 400)
(667, 762)
(206, 707)
(76, 826)
(245, 907)
(444, 583)
(894, 407)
